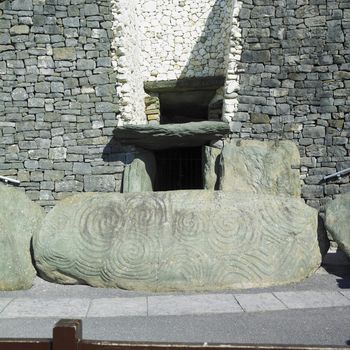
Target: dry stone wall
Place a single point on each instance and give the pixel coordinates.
(72, 70)
(294, 83)
(58, 102)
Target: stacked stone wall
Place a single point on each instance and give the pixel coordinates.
(72, 70)
(58, 104)
(294, 83)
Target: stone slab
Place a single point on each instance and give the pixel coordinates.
(4, 302)
(259, 302)
(338, 221)
(312, 299)
(157, 137)
(178, 240)
(139, 175)
(65, 308)
(192, 304)
(19, 219)
(211, 168)
(346, 293)
(261, 167)
(116, 307)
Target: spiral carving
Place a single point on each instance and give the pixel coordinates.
(101, 221)
(188, 225)
(133, 257)
(187, 240)
(146, 213)
(231, 230)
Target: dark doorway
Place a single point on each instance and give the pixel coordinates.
(179, 169)
(184, 107)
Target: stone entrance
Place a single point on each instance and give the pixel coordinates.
(179, 169)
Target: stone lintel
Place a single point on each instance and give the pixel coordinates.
(186, 84)
(157, 137)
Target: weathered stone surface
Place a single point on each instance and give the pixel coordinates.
(19, 219)
(64, 53)
(211, 168)
(181, 240)
(338, 221)
(136, 178)
(261, 167)
(139, 175)
(157, 137)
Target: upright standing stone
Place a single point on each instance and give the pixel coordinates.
(338, 221)
(211, 167)
(261, 167)
(178, 240)
(139, 175)
(19, 219)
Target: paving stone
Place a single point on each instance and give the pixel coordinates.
(192, 304)
(312, 299)
(116, 307)
(4, 302)
(65, 308)
(346, 293)
(259, 302)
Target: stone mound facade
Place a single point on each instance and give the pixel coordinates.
(73, 70)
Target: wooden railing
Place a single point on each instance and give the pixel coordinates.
(67, 335)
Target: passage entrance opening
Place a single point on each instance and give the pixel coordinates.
(179, 169)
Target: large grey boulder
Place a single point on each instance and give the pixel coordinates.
(270, 167)
(338, 221)
(19, 219)
(181, 240)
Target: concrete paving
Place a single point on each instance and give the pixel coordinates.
(244, 316)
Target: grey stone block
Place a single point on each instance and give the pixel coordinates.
(64, 54)
(91, 10)
(22, 5)
(312, 299)
(99, 183)
(259, 302)
(19, 94)
(68, 186)
(192, 304)
(36, 308)
(116, 307)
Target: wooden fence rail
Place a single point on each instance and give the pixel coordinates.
(67, 335)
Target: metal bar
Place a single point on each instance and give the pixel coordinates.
(25, 344)
(106, 345)
(8, 179)
(67, 334)
(337, 174)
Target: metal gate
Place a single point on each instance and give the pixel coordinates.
(179, 169)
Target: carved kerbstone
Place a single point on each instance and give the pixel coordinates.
(338, 221)
(261, 167)
(19, 219)
(181, 240)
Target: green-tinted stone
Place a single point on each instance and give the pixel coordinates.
(211, 167)
(261, 167)
(338, 221)
(136, 178)
(180, 240)
(156, 137)
(19, 219)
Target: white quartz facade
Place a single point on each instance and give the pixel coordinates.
(127, 61)
(183, 39)
(157, 40)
